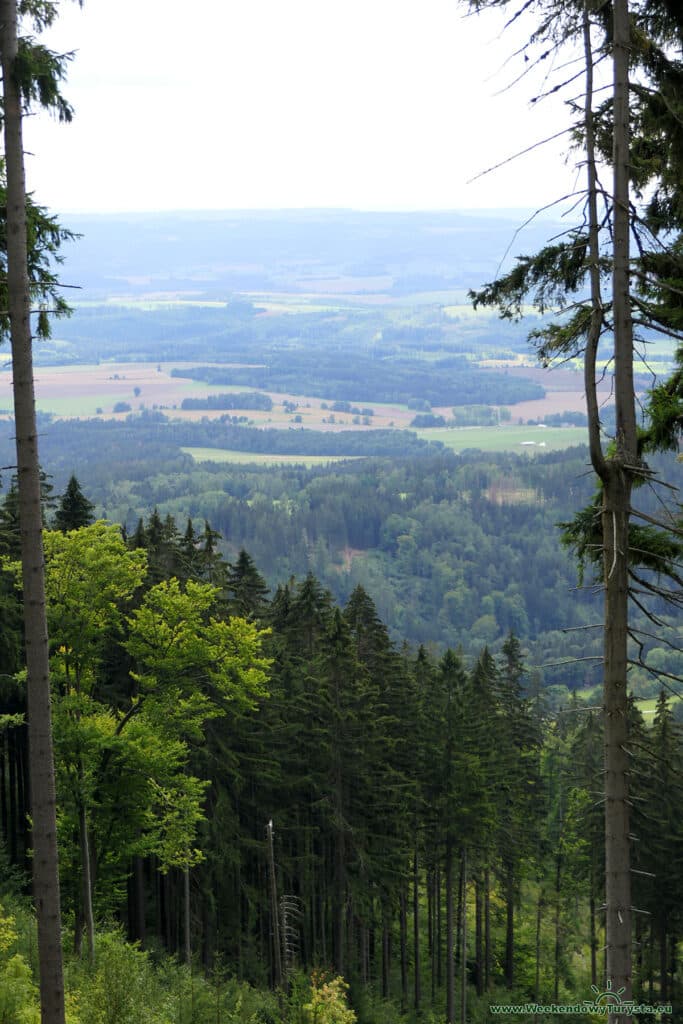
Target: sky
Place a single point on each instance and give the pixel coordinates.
(220, 104)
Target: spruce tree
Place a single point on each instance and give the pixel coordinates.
(246, 589)
(74, 509)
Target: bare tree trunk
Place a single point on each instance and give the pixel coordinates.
(617, 486)
(416, 930)
(13, 813)
(539, 919)
(139, 917)
(479, 934)
(558, 924)
(450, 950)
(86, 879)
(431, 930)
(386, 950)
(663, 961)
(487, 930)
(403, 924)
(3, 789)
(274, 910)
(463, 935)
(186, 916)
(41, 760)
(438, 930)
(594, 940)
(509, 926)
(616, 474)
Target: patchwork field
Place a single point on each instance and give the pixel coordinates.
(84, 391)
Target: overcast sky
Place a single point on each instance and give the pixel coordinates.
(219, 104)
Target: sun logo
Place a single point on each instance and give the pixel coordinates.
(606, 997)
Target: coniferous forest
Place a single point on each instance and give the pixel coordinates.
(262, 784)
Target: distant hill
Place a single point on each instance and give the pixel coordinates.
(212, 255)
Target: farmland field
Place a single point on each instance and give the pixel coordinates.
(506, 438)
(262, 459)
(86, 390)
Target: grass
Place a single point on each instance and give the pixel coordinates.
(263, 459)
(85, 405)
(506, 438)
(646, 705)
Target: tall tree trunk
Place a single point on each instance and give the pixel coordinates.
(558, 924)
(638, 991)
(86, 879)
(386, 950)
(438, 930)
(363, 953)
(416, 931)
(13, 815)
(487, 930)
(3, 787)
(44, 832)
(509, 926)
(23, 788)
(479, 934)
(431, 930)
(241, 921)
(403, 920)
(663, 959)
(539, 919)
(274, 911)
(450, 950)
(617, 842)
(139, 916)
(593, 931)
(616, 474)
(463, 935)
(187, 941)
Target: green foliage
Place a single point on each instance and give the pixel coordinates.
(45, 238)
(548, 277)
(665, 414)
(328, 1003)
(39, 73)
(192, 663)
(90, 575)
(18, 992)
(122, 989)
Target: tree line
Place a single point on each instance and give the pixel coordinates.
(328, 373)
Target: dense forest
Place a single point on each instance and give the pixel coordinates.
(330, 375)
(454, 550)
(434, 830)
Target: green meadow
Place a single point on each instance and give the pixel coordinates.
(506, 438)
(263, 459)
